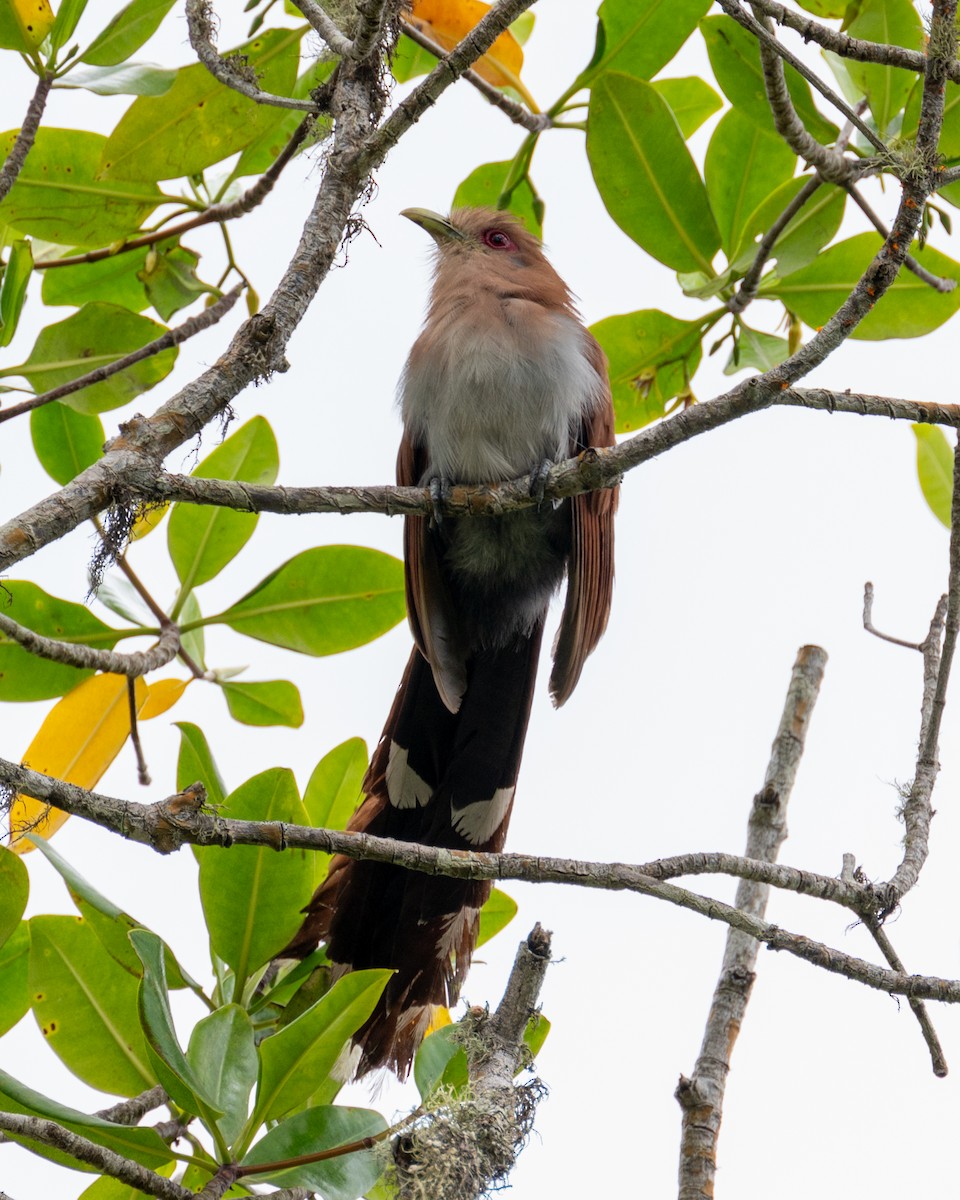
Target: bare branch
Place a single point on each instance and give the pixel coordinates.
(335, 38)
(856, 49)
(701, 1096)
(477, 42)
(233, 71)
(74, 654)
(747, 290)
(129, 1112)
(173, 337)
(81, 1148)
(935, 281)
(871, 628)
(467, 1148)
(534, 122)
(27, 135)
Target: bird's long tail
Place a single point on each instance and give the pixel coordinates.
(443, 779)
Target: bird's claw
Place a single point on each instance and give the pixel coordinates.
(538, 479)
(439, 494)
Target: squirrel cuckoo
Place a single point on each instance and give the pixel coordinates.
(503, 381)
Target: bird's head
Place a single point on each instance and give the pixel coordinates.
(493, 248)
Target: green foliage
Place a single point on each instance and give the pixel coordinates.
(65, 441)
(321, 1128)
(935, 470)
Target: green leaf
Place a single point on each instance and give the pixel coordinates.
(115, 279)
(950, 133)
(156, 1020)
(641, 36)
(200, 121)
(142, 1145)
(345, 1177)
(441, 1061)
(12, 36)
(535, 1033)
(410, 60)
(14, 890)
(133, 25)
(66, 441)
(895, 22)
(203, 539)
(128, 79)
(252, 895)
(86, 1007)
(93, 337)
(735, 59)
(23, 676)
(275, 702)
(910, 308)
(691, 101)
(333, 792)
(69, 13)
(59, 196)
(935, 470)
(831, 9)
(482, 189)
(298, 1058)
(323, 601)
(14, 985)
(263, 150)
(744, 164)
(224, 1059)
(193, 642)
(647, 180)
(13, 291)
(760, 351)
(170, 279)
(496, 914)
(652, 358)
(109, 922)
(195, 764)
(816, 224)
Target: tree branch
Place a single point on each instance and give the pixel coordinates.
(701, 1096)
(173, 337)
(335, 38)
(129, 1112)
(533, 122)
(25, 138)
(83, 1150)
(935, 281)
(467, 1147)
(75, 654)
(233, 71)
(856, 49)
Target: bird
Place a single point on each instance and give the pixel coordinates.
(503, 381)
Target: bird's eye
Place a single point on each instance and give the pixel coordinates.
(496, 239)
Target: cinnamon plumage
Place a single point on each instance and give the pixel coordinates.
(503, 380)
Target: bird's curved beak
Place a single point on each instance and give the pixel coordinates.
(439, 228)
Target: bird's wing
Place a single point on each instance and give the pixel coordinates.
(590, 570)
(429, 607)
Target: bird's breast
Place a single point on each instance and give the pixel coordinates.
(491, 392)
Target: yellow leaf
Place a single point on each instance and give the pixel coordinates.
(147, 521)
(162, 695)
(82, 734)
(441, 1016)
(448, 22)
(35, 18)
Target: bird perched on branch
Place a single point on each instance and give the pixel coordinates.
(503, 381)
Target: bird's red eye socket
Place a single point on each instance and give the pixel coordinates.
(496, 239)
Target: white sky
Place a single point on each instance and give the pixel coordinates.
(732, 551)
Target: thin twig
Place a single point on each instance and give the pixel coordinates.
(856, 49)
(232, 71)
(701, 1096)
(871, 628)
(173, 337)
(534, 122)
(335, 38)
(129, 1112)
(27, 135)
(143, 773)
(935, 281)
(75, 654)
(747, 290)
(124, 1169)
(215, 214)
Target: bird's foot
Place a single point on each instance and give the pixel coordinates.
(439, 494)
(538, 480)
